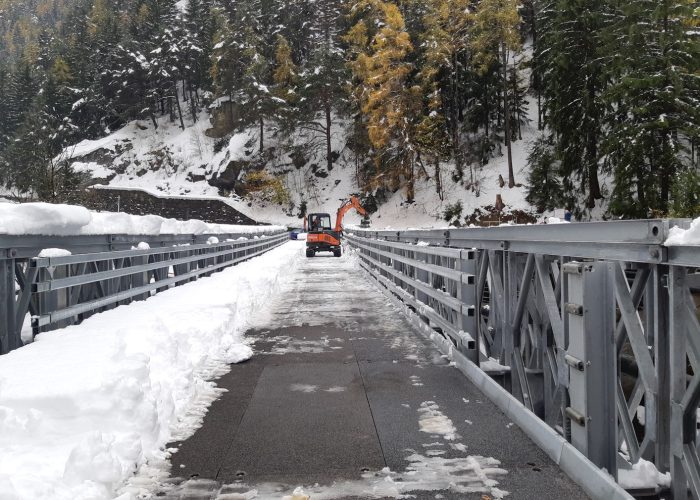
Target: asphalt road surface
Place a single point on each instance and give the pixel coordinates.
(344, 399)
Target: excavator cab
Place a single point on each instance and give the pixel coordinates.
(321, 237)
(319, 222)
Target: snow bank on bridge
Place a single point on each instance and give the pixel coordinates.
(690, 236)
(71, 220)
(84, 408)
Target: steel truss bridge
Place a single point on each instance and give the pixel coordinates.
(585, 335)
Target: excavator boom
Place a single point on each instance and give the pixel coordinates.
(353, 202)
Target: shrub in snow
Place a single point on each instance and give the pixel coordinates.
(545, 190)
(453, 212)
(686, 194)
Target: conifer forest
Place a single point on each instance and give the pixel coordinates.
(424, 90)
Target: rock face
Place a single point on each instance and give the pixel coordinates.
(139, 202)
(224, 118)
(226, 179)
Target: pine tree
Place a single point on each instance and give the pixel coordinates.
(432, 137)
(653, 101)
(325, 75)
(685, 194)
(495, 40)
(5, 130)
(196, 46)
(545, 190)
(241, 70)
(572, 87)
(443, 49)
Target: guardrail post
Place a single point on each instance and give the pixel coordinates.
(397, 265)
(421, 275)
(590, 356)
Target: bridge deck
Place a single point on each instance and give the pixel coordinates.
(344, 395)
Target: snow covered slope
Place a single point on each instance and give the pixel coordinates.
(171, 161)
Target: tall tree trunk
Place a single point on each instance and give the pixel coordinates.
(193, 105)
(486, 107)
(591, 156)
(410, 186)
(438, 180)
(179, 109)
(536, 70)
(517, 104)
(329, 160)
(456, 147)
(667, 173)
(262, 133)
(506, 116)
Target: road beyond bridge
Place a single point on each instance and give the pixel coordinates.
(346, 400)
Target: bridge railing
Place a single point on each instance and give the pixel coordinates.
(96, 273)
(592, 328)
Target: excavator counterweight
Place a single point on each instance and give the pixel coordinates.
(321, 236)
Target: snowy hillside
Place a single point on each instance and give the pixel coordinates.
(171, 161)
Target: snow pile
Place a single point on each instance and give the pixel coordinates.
(70, 220)
(42, 218)
(54, 252)
(84, 408)
(690, 236)
(643, 474)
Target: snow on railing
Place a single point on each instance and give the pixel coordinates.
(59, 264)
(71, 220)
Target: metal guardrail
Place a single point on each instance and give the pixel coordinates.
(104, 272)
(591, 327)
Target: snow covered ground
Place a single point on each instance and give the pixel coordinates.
(50, 219)
(85, 408)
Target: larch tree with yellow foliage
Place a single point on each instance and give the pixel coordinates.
(285, 77)
(380, 47)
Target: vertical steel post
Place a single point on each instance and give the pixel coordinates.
(677, 375)
(506, 315)
(657, 299)
(590, 314)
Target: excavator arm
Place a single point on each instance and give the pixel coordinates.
(348, 205)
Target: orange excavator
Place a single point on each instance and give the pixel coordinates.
(321, 237)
